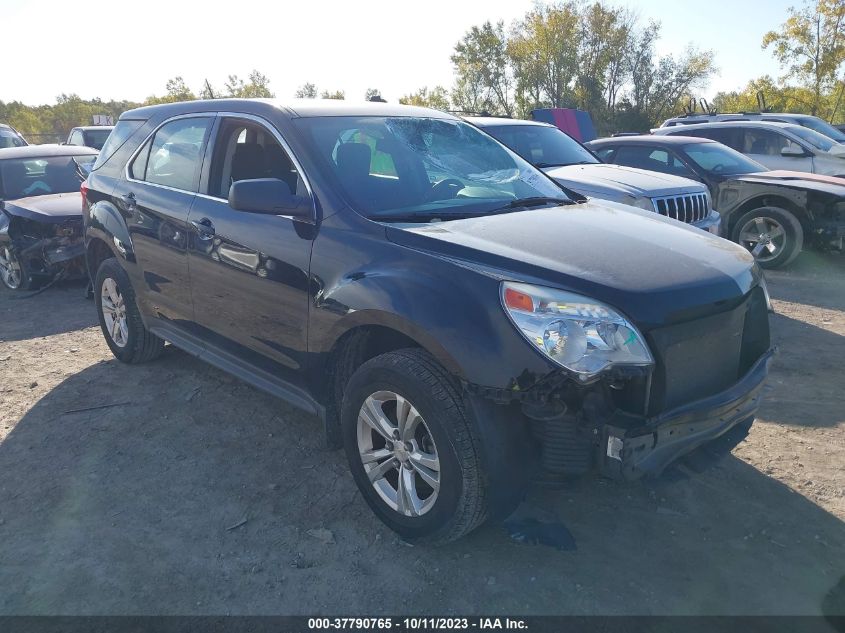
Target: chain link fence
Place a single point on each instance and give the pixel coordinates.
(40, 139)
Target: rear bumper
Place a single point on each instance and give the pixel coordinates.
(631, 452)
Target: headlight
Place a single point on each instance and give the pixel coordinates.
(578, 333)
(643, 203)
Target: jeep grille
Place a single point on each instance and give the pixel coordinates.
(687, 208)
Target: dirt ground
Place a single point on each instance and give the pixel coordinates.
(196, 494)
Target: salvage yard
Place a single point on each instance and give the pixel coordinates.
(173, 488)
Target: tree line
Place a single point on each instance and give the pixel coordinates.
(574, 53)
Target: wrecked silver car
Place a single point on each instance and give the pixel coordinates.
(41, 213)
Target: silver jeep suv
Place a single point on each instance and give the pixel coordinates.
(577, 168)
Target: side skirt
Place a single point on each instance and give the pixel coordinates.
(231, 364)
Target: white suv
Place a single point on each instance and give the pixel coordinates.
(805, 120)
(776, 145)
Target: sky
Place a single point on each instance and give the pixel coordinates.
(128, 50)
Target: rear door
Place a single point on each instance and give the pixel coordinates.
(156, 194)
(250, 271)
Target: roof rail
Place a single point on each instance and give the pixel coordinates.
(479, 113)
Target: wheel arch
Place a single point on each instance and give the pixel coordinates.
(362, 336)
(769, 200)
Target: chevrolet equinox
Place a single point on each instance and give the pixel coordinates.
(460, 324)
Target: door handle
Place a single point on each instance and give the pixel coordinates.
(128, 200)
(204, 227)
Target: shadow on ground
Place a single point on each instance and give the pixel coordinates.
(203, 495)
(58, 309)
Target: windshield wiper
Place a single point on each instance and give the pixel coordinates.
(580, 162)
(534, 201)
(428, 216)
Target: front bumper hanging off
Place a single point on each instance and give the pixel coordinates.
(633, 451)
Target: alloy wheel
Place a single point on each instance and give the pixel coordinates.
(764, 237)
(10, 269)
(398, 453)
(114, 312)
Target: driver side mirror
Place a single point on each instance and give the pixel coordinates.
(793, 150)
(270, 196)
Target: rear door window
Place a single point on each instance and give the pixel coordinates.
(729, 136)
(651, 158)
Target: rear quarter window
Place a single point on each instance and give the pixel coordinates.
(119, 135)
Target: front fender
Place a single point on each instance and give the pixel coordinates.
(450, 310)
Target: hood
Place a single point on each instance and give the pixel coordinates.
(655, 270)
(797, 179)
(621, 184)
(56, 207)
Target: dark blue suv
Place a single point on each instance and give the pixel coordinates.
(459, 323)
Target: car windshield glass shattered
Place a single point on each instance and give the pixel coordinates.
(416, 168)
(716, 158)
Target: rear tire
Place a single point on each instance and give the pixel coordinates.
(119, 317)
(410, 385)
(772, 234)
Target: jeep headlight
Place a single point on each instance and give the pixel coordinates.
(643, 203)
(580, 334)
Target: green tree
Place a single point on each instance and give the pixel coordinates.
(337, 94)
(810, 46)
(481, 62)
(543, 50)
(371, 93)
(256, 86)
(437, 98)
(306, 91)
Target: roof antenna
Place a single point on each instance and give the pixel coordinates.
(208, 90)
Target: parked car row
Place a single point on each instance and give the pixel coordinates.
(771, 213)
(578, 169)
(462, 323)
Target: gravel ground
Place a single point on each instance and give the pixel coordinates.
(192, 493)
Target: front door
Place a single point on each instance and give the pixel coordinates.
(156, 195)
(765, 146)
(249, 271)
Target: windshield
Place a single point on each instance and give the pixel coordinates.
(822, 127)
(422, 167)
(716, 158)
(24, 177)
(542, 146)
(96, 138)
(819, 141)
(8, 138)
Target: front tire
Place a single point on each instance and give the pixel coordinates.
(413, 451)
(15, 273)
(124, 331)
(773, 236)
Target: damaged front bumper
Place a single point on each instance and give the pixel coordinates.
(631, 450)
